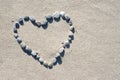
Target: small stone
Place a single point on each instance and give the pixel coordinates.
(61, 50)
(19, 40)
(50, 64)
(41, 60)
(71, 28)
(26, 18)
(44, 23)
(57, 55)
(32, 19)
(49, 18)
(70, 23)
(15, 30)
(28, 50)
(54, 60)
(56, 17)
(38, 24)
(21, 21)
(67, 18)
(15, 35)
(33, 53)
(45, 63)
(23, 46)
(17, 25)
(71, 34)
(62, 13)
(66, 43)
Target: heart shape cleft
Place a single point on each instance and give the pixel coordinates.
(49, 19)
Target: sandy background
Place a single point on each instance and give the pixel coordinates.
(93, 55)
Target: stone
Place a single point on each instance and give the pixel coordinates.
(26, 18)
(22, 45)
(19, 40)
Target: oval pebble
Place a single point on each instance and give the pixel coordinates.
(21, 21)
(50, 64)
(67, 18)
(71, 28)
(45, 63)
(61, 50)
(70, 23)
(33, 53)
(15, 30)
(62, 13)
(54, 60)
(44, 23)
(56, 17)
(71, 34)
(19, 40)
(22, 45)
(28, 50)
(41, 60)
(38, 24)
(17, 25)
(26, 18)
(66, 43)
(15, 35)
(32, 19)
(49, 18)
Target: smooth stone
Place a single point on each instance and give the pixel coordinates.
(62, 13)
(66, 43)
(50, 64)
(44, 23)
(45, 63)
(70, 23)
(17, 25)
(57, 55)
(57, 17)
(21, 21)
(41, 60)
(22, 45)
(71, 34)
(15, 30)
(32, 19)
(71, 28)
(19, 40)
(67, 18)
(26, 18)
(54, 60)
(49, 17)
(16, 35)
(38, 24)
(28, 50)
(33, 53)
(61, 50)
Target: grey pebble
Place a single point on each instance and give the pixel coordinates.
(19, 40)
(23, 46)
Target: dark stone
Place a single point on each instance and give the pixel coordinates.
(26, 18)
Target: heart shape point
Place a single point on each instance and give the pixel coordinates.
(49, 19)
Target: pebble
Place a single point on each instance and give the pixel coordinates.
(15, 30)
(19, 40)
(49, 18)
(16, 35)
(17, 25)
(26, 18)
(23, 46)
(33, 53)
(61, 50)
(57, 55)
(66, 43)
(45, 63)
(41, 60)
(70, 23)
(67, 18)
(28, 50)
(38, 24)
(71, 34)
(44, 23)
(32, 19)
(71, 28)
(56, 17)
(62, 13)
(54, 60)
(21, 21)
(50, 64)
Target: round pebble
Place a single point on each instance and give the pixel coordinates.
(70, 23)
(19, 40)
(41, 60)
(28, 50)
(32, 19)
(56, 17)
(71, 34)
(15, 30)
(54, 60)
(22, 45)
(49, 18)
(38, 24)
(50, 64)
(33, 53)
(15, 35)
(66, 43)
(45, 63)
(17, 25)
(62, 13)
(44, 23)
(67, 18)
(61, 50)
(71, 28)
(26, 18)
(21, 21)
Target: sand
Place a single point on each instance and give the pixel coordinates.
(94, 53)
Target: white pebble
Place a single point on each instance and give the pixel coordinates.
(66, 43)
(41, 60)
(71, 34)
(50, 64)
(54, 60)
(71, 28)
(33, 53)
(62, 13)
(57, 55)
(61, 50)
(45, 63)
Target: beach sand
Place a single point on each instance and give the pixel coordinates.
(93, 55)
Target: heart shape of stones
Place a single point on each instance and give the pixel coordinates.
(49, 19)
